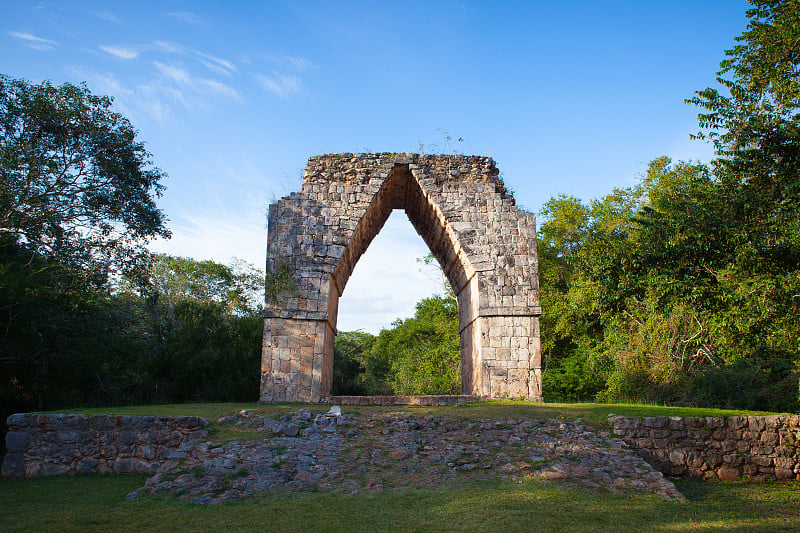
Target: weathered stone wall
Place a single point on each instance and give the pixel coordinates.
(461, 209)
(58, 444)
(751, 447)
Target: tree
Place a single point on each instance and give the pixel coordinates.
(75, 184)
(755, 126)
(421, 354)
(350, 355)
(205, 327)
(238, 287)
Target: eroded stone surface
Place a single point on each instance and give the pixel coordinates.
(377, 453)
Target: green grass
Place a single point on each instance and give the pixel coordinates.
(595, 414)
(96, 503)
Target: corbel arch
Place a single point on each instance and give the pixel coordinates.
(458, 205)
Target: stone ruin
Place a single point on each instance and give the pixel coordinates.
(485, 245)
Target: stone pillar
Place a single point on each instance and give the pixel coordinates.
(297, 360)
(511, 357)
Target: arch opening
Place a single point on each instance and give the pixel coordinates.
(397, 327)
(402, 191)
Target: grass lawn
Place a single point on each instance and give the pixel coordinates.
(97, 503)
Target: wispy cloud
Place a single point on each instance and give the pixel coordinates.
(121, 52)
(186, 16)
(169, 46)
(32, 41)
(218, 88)
(213, 63)
(220, 236)
(130, 103)
(201, 86)
(174, 73)
(106, 84)
(300, 63)
(109, 16)
(292, 62)
(284, 86)
(218, 65)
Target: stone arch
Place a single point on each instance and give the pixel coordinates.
(459, 206)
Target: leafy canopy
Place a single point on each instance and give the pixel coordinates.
(75, 184)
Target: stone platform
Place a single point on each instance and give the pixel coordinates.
(364, 454)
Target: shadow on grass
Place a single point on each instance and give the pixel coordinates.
(97, 503)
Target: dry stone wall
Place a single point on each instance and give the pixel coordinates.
(59, 444)
(751, 447)
(461, 209)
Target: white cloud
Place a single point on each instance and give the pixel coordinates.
(284, 86)
(153, 98)
(169, 46)
(107, 84)
(132, 104)
(109, 16)
(218, 65)
(213, 63)
(174, 73)
(120, 51)
(201, 86)
(32, 41)
(218, 238)
(294, 62)
(300, 63)
(214, 87)
(186, 16)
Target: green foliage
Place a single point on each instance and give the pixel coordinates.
(350, 360)
(237, 287)
(280, 285)
(646, 298)
(426, 349)
(419, 355)
(654, 352)
(65, 342)
(581, 375)
(689, 282)
(208, 354)
(75, 184)
(755, 126)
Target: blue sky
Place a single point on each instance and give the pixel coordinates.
(570, 97)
